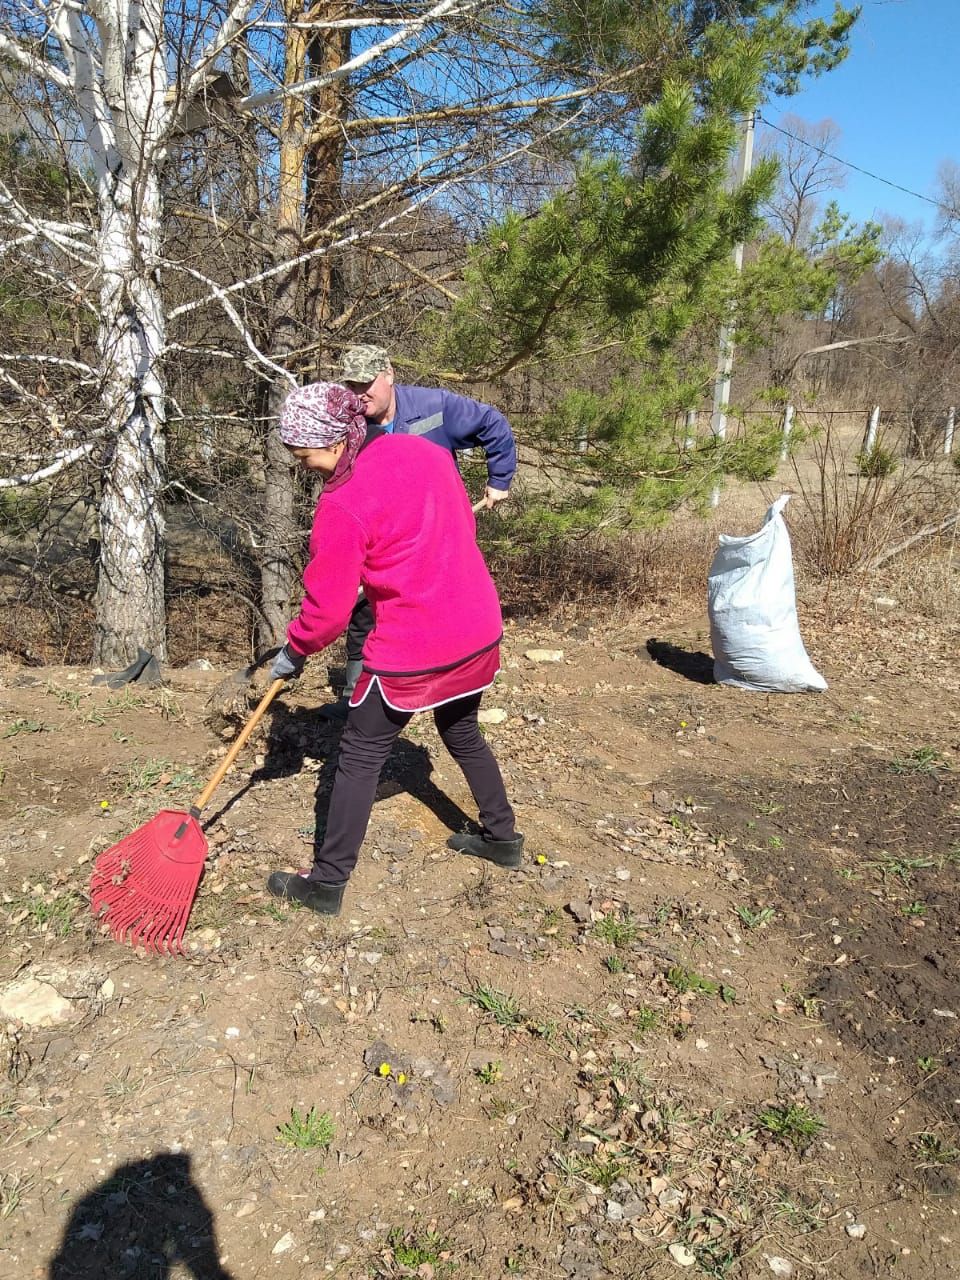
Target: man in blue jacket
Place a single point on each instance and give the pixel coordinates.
(451, 421)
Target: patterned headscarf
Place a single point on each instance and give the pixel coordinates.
(320, 415)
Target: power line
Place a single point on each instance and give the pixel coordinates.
(887, 182)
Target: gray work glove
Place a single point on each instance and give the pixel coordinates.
(288, 664)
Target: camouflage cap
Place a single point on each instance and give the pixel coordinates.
(362, 364)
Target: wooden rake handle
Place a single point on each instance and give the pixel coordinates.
(204, 796)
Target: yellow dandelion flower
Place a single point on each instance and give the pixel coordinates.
(401, 1077)
(384, 1069)
(540, 859)
(104, 804)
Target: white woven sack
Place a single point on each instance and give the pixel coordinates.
(752, 604)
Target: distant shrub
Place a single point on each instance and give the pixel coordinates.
(877, 462)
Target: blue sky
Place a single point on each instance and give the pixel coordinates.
(896, 100)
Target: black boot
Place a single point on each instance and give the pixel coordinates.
(503, 853)
(325, 899)
(339, 710)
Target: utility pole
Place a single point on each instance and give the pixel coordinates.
(721, 387)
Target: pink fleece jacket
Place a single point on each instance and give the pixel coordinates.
(401, 526)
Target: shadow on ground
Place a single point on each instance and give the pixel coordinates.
(691, 664)
(148, 1218)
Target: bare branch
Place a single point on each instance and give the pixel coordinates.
(372, 124)
(219, 294)
(443, 9)
(930, 531)
(880, 339)
(31, 62)
(55, 360)
(60, 463)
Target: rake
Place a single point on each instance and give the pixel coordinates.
(143, 887)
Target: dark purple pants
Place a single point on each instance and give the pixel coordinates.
(369, 734)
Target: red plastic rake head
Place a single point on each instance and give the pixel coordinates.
(143, 887)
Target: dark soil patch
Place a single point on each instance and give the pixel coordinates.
(865, 862)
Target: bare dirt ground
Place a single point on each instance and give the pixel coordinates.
(710, 1027)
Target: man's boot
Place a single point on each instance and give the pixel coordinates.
(502, 853)
(325, 899)
(340, 709)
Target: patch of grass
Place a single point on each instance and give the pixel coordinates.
(490, 1073)
(72, 698)
(307, 1133)
(928, 1065)
(546, 1031)
(597, 1170)
(645, 1019)
(13, 1187)
(127, 700)
(65, 697)
(775, 842)
(415, 1249)
(121, 1086)
(916, 908)
(282, 910)
(158, 773)
(933, 1150)
(920, 760)
(552, 918)
(50, 914)
(630, 1070)
(21, 725)
(714, 1258)
(902, 868)
(810, 1006)
(502, 1008)
(168, 706)
(144, 777)
(498, 1108)
(791, 1123)
(788, 1207)
(613, 963)
(755, 919)
(685, 980)
(618, 929)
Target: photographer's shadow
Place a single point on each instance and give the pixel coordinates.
(148, 1218)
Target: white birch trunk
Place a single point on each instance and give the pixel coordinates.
(130, 594)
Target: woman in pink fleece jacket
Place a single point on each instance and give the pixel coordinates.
(393, 518)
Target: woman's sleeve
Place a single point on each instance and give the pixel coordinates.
(330, 580)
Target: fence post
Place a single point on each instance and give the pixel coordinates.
(948, 433)
(870, 439)
(787, 428)
(691, 426)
